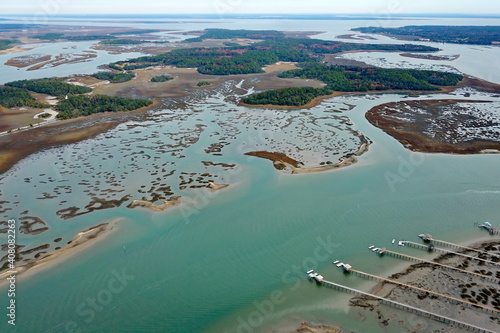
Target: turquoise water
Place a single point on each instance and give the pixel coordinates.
(234, 260)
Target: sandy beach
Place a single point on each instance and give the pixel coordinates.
(82, 241)
(288, 165)
(453, 283)
(16, 49)
(154, 206)
(310, 328)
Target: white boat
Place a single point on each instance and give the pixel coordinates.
(336, 262)
(400, 243)
(375, 249)
(310, 271)
(371, 247)
(393, 241)
(340, 264)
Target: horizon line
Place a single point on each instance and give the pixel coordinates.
(274, 14)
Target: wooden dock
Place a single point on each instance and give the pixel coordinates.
(449, 298)
(409, 308)
(461, 247)
(447, 267)
(438, 249)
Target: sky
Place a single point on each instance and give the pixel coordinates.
(58, 7)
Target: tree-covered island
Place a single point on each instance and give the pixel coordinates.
(269, 47)
(351, 79)
(482, 35)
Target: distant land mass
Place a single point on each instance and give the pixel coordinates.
(481, 35)
(269, 48)
(269, 16)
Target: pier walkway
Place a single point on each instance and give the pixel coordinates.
(448, 267)
(456, 246)
(452, 299)
(425, 247)
(409, 308)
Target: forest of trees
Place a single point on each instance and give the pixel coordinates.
(241, 33)
(482, 35)
(54, 36)
(287, 96)
(161, 78)
(11, 97)
(251, 59)
(83, 105)
(52, 86)
(352, 79)
(114, 77)
(123, 41)
(135, 32)
(7, 43)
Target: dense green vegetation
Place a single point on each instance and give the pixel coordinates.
(19, 26)
(230, 34)
(122, 41)
(11, 97)
(83, 105)
(287, 96)
(135, 32)
(7, 43)
(49, 36)
(251, 59)
(88, 37)
(53, 86)
(352, 79)
(105, 38)
(161, 78)
(54, 36)
(114, 77)
(203, 83)
(483, 35)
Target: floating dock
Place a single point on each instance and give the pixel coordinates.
(409, 308)
(488, 227)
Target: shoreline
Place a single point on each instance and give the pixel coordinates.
(409, 127)
(165, 204)
(80, 242)
(318, 100)
(61, 133)
(287, 165)
(15, 147)
(447, 282)
(15, 49)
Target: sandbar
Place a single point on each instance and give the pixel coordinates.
(287, 164)
(80, 242)
(156, 207)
